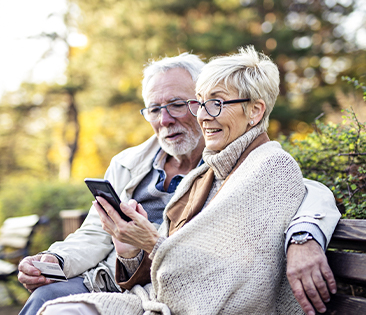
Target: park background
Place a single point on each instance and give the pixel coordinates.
(54, 132)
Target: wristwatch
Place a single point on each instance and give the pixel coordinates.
(300, 238)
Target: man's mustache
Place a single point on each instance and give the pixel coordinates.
(163, 133)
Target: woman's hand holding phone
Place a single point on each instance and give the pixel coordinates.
(103, 188)
(125, 250)
(139, 232)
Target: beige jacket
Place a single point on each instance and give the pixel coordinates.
(90, 251)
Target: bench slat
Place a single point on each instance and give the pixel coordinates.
(348, 266)
(20, 232)
(16, 222)
(342, 304)
(15, 238)
(14, 242)
(349, 234)
(7, 268)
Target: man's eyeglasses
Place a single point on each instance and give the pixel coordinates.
(213, 107)
(176, 109)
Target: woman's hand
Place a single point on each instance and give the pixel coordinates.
(125, 250)
(139, 232)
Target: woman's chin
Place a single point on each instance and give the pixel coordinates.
(214, 146)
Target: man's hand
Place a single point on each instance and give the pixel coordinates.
(310, 276)
(30, 276)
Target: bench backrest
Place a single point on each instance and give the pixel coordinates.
(347, 259)
(15, 236)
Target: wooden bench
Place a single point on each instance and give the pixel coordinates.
(347, 258)
(15, 240)
(72, 220)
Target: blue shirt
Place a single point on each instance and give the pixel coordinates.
(159, 163)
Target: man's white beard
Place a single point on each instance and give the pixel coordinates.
(181, 146)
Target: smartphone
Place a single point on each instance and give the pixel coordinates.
(103, 188)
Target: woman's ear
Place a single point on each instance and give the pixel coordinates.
(257, 111)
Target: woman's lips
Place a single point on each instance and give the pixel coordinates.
(212, 130)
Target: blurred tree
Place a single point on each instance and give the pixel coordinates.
(76, 126)
(310, 40)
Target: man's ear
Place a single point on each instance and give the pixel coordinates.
(257, 111)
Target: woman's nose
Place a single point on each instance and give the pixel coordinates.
(202, 114)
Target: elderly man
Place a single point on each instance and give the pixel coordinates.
(150, 173)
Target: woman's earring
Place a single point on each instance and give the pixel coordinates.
(252, 122)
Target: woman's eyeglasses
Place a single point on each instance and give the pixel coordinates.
(213, 107)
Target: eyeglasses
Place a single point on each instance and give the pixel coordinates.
(176, 109)
(213, 107)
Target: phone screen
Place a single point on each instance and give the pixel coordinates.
(103, 188)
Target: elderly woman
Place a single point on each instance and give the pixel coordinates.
(220, 248)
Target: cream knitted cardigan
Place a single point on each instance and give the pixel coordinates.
(229, 258)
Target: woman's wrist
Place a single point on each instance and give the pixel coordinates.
(129, 254)
(160, 240)
(131, 264)
(138, 256)
(152, 244)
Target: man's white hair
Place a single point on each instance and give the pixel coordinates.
(192, 63)
(252, 74)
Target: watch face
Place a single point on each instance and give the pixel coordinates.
(300, 237)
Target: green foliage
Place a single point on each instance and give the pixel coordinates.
(20, 197)
(45, 130)
(335, 155)
(302, 39)
(356, 84)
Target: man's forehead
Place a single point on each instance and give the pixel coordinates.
(175, 84)
(165, 100)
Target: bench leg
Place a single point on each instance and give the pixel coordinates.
(11, 294)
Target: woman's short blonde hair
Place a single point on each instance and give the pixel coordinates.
(253, 74)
